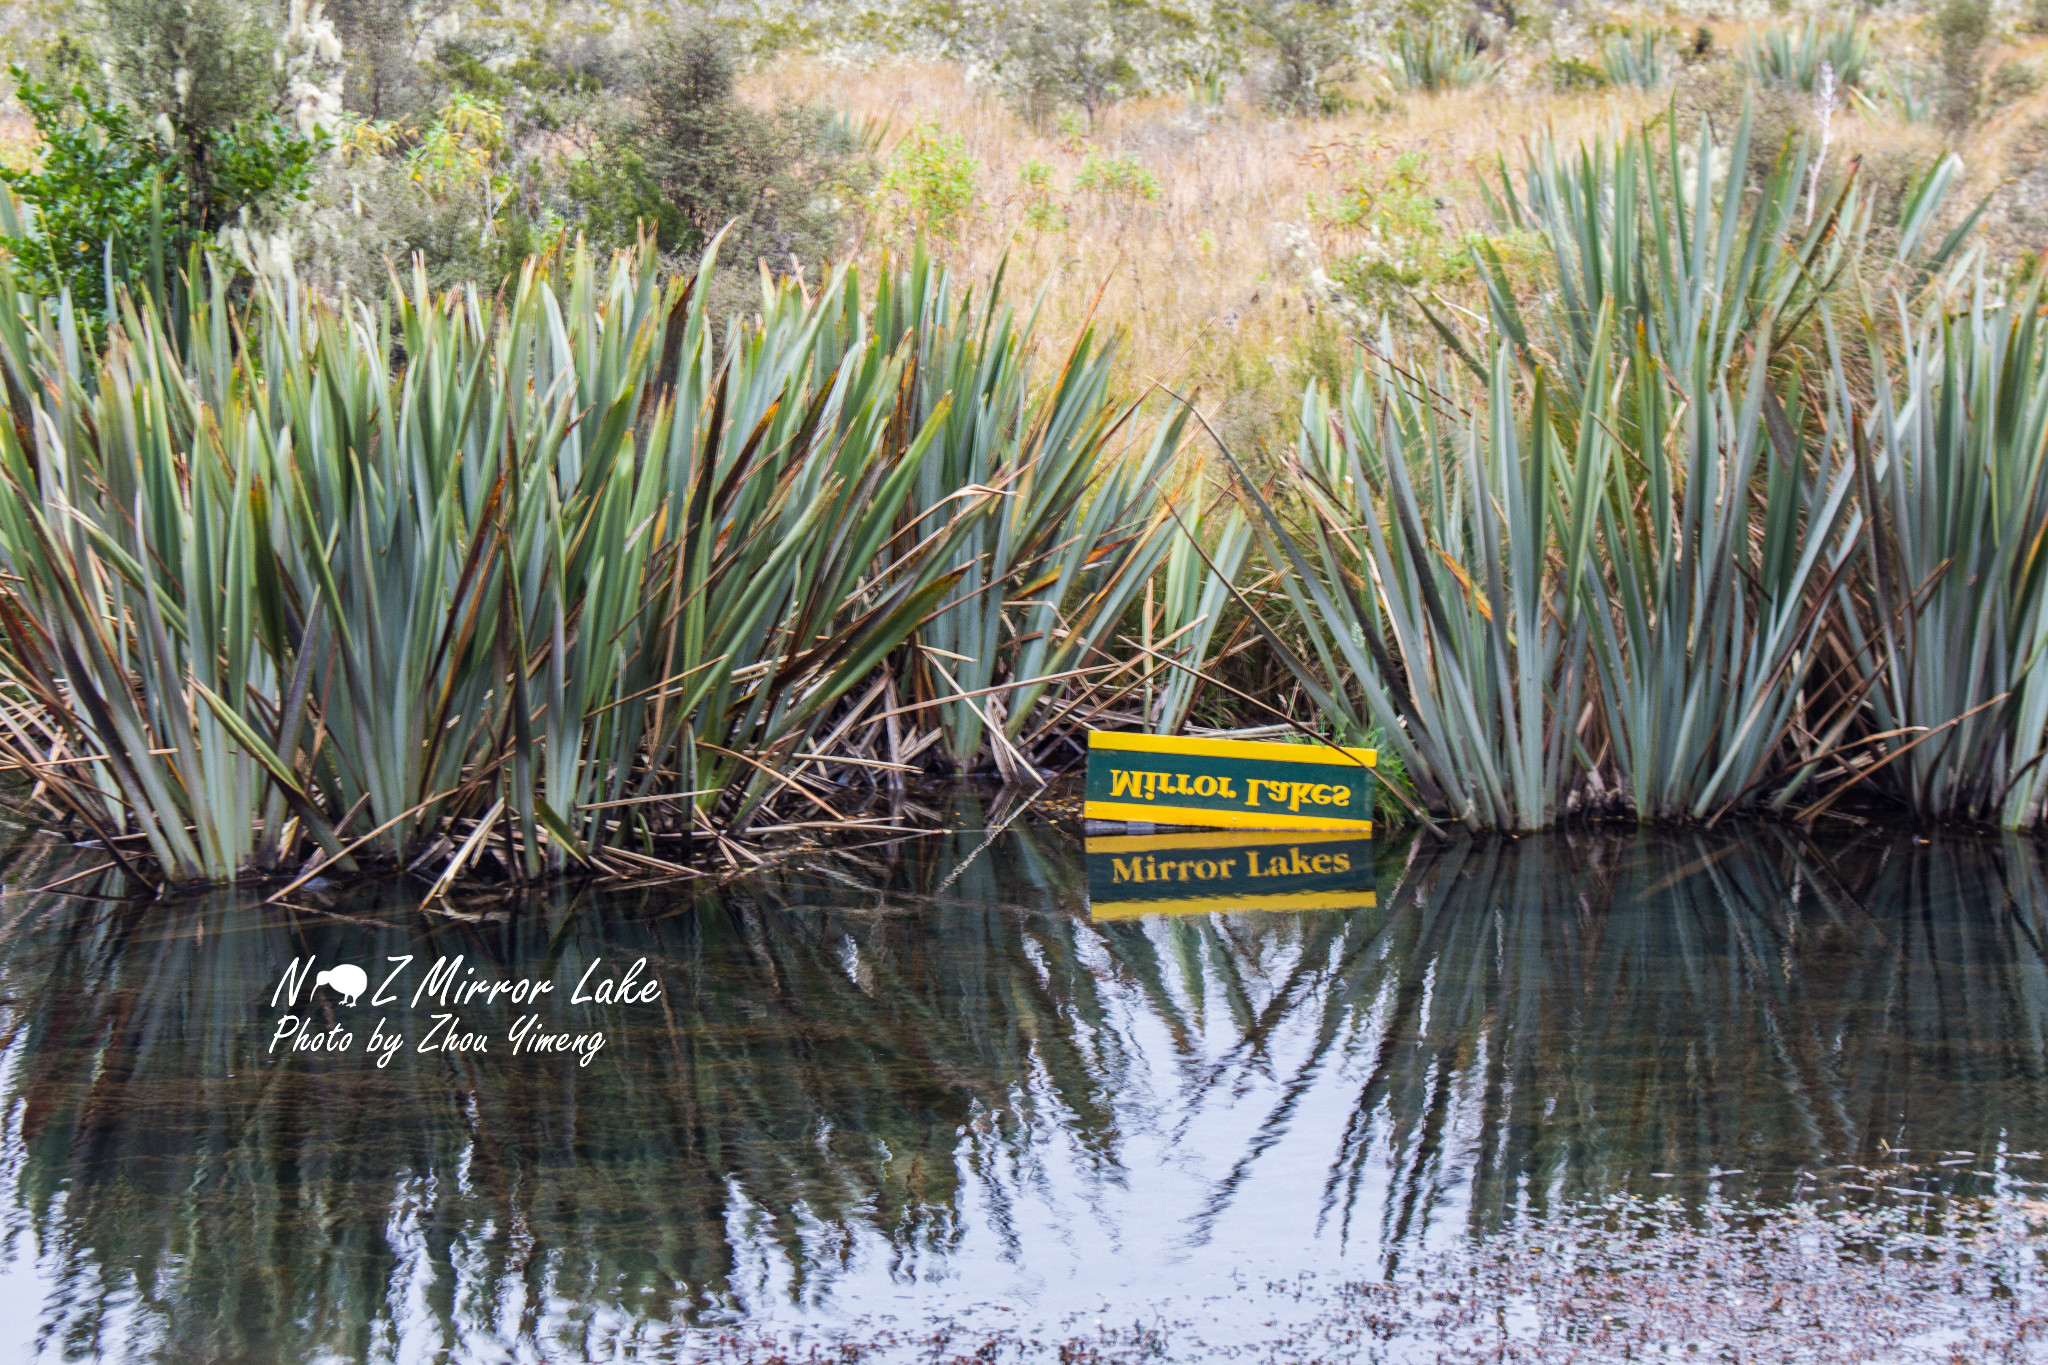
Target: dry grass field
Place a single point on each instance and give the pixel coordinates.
(1207, 281)
(1214, 283)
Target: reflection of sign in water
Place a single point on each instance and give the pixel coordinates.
(1181, 874)
(1232, 783)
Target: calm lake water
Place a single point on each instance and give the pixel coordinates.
(920, 1095)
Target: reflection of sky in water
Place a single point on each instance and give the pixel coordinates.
(862, 1096)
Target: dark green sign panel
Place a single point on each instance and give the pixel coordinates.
(1228, 783)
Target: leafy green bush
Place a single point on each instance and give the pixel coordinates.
(1571, 75)
(1397, 207)
(1116, 179)
(107, 194)
(92, 194)
(1041, 212)
(931, 182)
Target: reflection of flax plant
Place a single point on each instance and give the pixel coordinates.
(847, 1058)
(1715, 1002)
(773, 1083)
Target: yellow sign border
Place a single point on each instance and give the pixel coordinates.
(1195, 838)
(1324, 756)
(1221, 819)
(1300, 900)
(1263, 750)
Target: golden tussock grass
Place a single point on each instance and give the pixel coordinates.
(1198, 280)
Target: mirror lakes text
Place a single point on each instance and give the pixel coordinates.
(1142, 785)
(1146, 867)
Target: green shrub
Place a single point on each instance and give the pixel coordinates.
(1041, 212)
(931, 182)
(1396, 207)
(687, 159)
(1116, 179)
(107, 193)
(1570, 75)
(98, 179)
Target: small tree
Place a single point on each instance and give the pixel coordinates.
(689, 159)
(223, 82)
(1079, 52)
(1310, 51)
(382, 40)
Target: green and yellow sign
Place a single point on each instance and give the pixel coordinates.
(1186, 874)
(1230, 783)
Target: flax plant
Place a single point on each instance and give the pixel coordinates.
(542, 580)
(1419, 577)
(1952, 637)
(1723, 526)
(1077, 527)
(135, 529)
(1608, 536)
(1779, 57)
(1194, 588)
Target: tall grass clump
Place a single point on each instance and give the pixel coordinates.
(1470, 559)
(566, 578)
(1781, 58)
(1641, 56)
(1446, 628)
(1949, 637)
(1724, 517)
(1072, 531)
(1434, 58)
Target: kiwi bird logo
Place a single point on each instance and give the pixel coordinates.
(347, 981)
